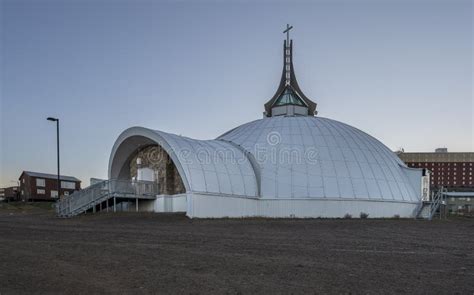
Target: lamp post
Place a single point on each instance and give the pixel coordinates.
(57, 143)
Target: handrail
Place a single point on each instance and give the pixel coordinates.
(90, 196)
(432, 205)
(436, 202)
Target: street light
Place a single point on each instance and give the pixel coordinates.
(57, 142)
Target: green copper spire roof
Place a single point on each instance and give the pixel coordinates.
(289, 97)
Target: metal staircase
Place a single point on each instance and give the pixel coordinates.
(428, 209)
(98, 195)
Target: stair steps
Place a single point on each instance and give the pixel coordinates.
(428, 209)
(94, 195)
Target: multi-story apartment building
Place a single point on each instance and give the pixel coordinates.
(9, 193)
(454, 171)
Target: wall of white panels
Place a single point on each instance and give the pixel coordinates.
(165, 203)
(212, 206)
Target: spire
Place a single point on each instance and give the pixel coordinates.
(289, 99)
(288, 56)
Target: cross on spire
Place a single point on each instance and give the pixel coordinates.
(287, 31)
(289, 100)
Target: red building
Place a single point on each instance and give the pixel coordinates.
(36, 186)
(454, 171)
(9, 193)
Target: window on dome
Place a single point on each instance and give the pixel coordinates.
(289, 97)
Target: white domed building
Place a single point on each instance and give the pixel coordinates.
(291, 163)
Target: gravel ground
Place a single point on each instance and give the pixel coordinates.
(156, 253)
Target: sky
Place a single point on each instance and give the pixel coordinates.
(399, 70)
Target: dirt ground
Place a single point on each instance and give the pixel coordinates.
(153, 253)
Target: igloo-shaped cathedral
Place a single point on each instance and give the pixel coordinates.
(291, 163)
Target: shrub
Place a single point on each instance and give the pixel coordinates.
(363, 215)
(347, 216)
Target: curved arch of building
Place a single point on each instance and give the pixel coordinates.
(129, 142)
(230, 174)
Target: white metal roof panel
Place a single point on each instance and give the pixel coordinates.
(335, 160)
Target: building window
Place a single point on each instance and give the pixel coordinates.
(40, 182)
(68, 185)
(23, 180)
(54, 194)
(40, 191)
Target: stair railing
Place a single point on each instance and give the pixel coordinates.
(90, 196)
(436, 202)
